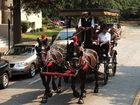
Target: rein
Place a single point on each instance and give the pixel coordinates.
(79, 32)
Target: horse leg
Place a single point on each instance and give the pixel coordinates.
(53, 83)
(82, 76)
(96, 82)
(59, 85)
(61, 69)
(75, 92)
(56, 88)
(47, 88)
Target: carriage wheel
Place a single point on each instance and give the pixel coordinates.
(114, 64)
(106, 73)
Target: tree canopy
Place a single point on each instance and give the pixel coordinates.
(50, 8)
(128, 8)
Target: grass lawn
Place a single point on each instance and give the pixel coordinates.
(35, 35)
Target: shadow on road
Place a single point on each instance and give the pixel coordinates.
(119, 90)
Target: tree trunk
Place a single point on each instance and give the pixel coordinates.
(16, 22)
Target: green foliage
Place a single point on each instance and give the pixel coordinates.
(34, 35)
(51, 8)
(25, 25)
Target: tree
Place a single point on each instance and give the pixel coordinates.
(16, 22)
(33, 5)
(128, 8)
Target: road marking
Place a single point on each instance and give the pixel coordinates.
(34, 81)
(137, 99)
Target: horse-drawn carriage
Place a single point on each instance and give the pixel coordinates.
(113, 25)
(75, 61)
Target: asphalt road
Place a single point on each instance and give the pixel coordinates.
(123, 89)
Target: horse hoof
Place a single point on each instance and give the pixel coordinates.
(49, 94)
(59, 90)
(81, 101)
(84, 93)
(44, 100)
(76, 94)
(96, 90)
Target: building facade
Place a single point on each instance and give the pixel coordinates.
(6, 13)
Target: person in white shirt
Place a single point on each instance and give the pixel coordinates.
(104, 39)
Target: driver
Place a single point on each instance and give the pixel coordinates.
(86, 23)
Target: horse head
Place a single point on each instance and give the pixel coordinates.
(74, 54)
(51, 57)
(42, 52)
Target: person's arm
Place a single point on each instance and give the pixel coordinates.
(79, 23)
(92, 23)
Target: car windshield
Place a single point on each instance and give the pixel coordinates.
(21, 50)
(65, 35)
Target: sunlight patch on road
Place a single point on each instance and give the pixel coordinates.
(137, 99)
(34, 81)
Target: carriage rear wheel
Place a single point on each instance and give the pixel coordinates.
(106, 73)
(114, 65)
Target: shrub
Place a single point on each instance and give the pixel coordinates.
(25, 25)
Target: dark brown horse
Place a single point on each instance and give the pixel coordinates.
(82, 62)
(49, 60)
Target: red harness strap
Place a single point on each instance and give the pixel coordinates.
(58, 74)
(70, 71)
(82, 62)
(50, 63)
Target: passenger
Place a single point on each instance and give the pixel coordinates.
(95, 45)
(86, 23)
(104, 39)
(95, 33)
(114, 34)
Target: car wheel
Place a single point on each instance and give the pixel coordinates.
(5, 81)
(32, 71)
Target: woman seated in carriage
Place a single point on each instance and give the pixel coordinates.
(114, 36)
(104, 39)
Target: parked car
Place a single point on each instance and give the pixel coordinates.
(22, 58)
(5, 73)
(64, 37)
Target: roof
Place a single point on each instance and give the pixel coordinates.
(94, 12)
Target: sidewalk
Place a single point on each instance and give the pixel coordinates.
(3, 49)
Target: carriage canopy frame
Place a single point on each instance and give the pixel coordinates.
(93, 12)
